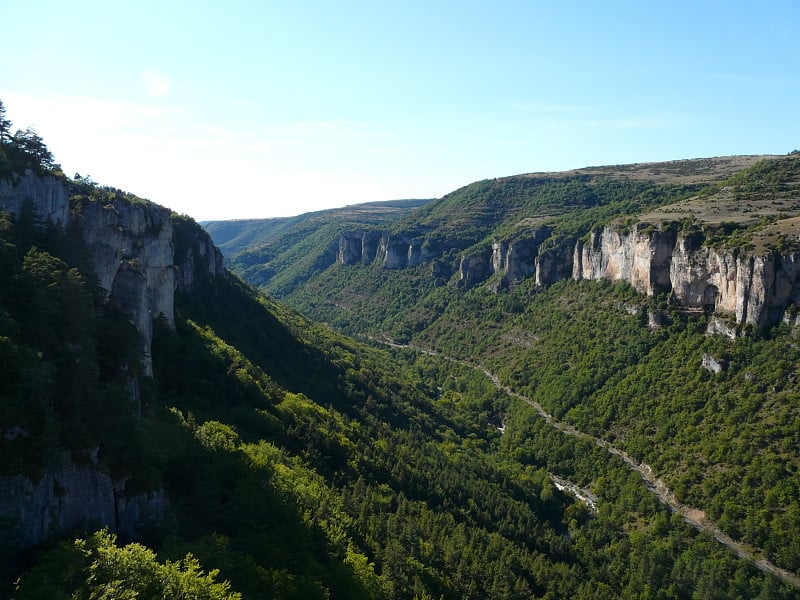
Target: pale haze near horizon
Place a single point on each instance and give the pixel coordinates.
(262, 109)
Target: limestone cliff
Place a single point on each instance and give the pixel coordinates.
(69, 498)
(47, 195)
(641, 257)
(133, 258)
(751, 288)
(359, 246)
(350, 248)
(138, 259)
(754, 289)
(391, 252)
(553, 264)
(517, 257)
(142, 255)
(472, 270)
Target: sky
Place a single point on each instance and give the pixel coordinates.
(251, 109)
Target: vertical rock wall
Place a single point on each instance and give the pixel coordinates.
(753, 289)
(641, 257)
(133, 247)
(72, 498)
(47, 195)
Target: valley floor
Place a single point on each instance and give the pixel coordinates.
(692, 515)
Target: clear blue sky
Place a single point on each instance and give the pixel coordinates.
(254, 109)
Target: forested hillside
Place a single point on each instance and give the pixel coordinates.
(701, 397)
(287, 251)
(166, 431)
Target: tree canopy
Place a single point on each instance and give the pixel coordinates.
(23, 151)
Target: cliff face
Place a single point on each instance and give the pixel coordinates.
(553, 265)
(133, 257)
(753, 289)
(134, 249)
(48, 197)
(641, 257)
(350, 248)
(142, 255)
(70, 497)
(359, 247)
(367, 246)
(517, 258)
(472, 270)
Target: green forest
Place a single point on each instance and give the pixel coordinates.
(307, 451)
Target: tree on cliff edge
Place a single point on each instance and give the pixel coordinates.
(5, 125)
(23, 151)
(34, 152)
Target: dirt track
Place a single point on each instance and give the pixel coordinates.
(692, 515)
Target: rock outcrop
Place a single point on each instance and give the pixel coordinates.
(754, 289)
(517, 258)
(390, 251)
(656, 319)
(719, 326)
(142, 255)
(351, 248)
(370, 243)
(73, 498)
(713, 365)
(138, 260)
(47, 196)
(641, 257)
(750, 288)
(553, 265)
(473, 269)
(393, 252)
(133, 258)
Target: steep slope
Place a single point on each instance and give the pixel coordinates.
(298, 247)
(373, 490)
(713, 417)
(298, 462)
(687, 364)
(707, 236)
(85, 279)
(233, 237)
(659, 227)
(216, 456)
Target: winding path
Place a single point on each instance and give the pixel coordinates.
(694, 516)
